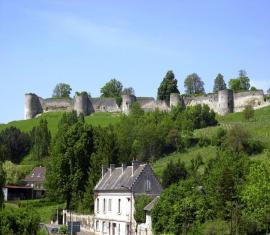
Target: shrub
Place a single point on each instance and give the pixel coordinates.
(22, 221)
(248, 112)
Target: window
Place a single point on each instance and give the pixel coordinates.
(119, 206)
(147, 185)
(97, 225)
(98, 205)
(110, 205)
(104, 205)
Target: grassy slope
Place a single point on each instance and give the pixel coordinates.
(259, 128)
(102, 119)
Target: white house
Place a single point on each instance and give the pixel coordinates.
(115, 194)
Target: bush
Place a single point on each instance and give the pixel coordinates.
(173, 173)
(248, 112)
(19, 221)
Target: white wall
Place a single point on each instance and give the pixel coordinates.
(121, 219)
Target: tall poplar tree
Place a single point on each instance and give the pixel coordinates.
(219, 83)
(167, 86)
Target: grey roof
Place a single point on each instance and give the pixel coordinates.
(151, 204)
(115, 180)
(37, 175)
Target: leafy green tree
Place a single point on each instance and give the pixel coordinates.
(140, 203)
(256, 195)
(248, 112)
(194, 84)
(167, 86)
(173, 173)
(14, 144)
(113, 88)
(241, 83)
(68, 168)
(219, 83)
(2, 183)
(177, 209)
(253, 88)
(62, 90)
(41, 139)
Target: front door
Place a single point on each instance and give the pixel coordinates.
(114, 229)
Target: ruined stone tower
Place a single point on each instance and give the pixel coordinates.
(127, 101)
(32, 106)
(82, 104)
(225, 102)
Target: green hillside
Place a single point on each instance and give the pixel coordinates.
(258, 127)
(102, 119)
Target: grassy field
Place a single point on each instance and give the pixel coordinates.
(258, 127)
(205, 152)
(102, 119)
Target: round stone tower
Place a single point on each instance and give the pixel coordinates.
(225, 102)
(175, 99)
(127, 101)
(32, 106)
(81, 103)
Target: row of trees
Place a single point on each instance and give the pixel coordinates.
(15, 144)
(195, 86)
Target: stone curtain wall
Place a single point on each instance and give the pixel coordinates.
(222, 103)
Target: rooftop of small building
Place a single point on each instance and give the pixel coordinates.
(151, 204)
(37, 175)
(120, 178)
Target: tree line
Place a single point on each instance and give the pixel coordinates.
(193, 84)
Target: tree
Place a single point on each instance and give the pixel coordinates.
(2, 183)
(167, 86)
(113, 88)
(248, 112)
(61, 90)
(173, 173)
(41, 139)
(194, 84)
(253, 88)
(256, 194)
(14, 144)
(128, 91)
(67, 172)
(268, 91)
(219, 83)
(241, 83)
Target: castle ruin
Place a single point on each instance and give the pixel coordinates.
(223, 102)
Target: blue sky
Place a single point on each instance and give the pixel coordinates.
(86, 43)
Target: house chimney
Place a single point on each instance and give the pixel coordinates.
(123, 167)
(104, 170)
(112, 166)
(135, 165)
